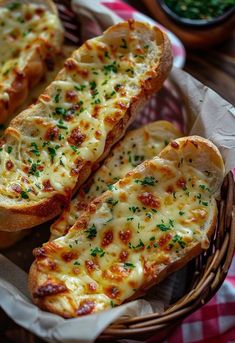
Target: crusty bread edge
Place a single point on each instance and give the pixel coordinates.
(13, 218)
(33, 71)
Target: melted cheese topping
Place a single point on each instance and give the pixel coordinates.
(137, 146)
(23, 29)
(69, 125)
(145, 222)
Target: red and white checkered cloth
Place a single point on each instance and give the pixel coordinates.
(215, 321)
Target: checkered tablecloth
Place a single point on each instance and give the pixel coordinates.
(215, 321)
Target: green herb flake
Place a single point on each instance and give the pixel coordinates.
(52, 152)
(35, 149)
(76, 263)
(13, 6)
(91, 232)
(24, 195)
(9, 149)
(147, 181)
(128, 265)
(177, 238)
(181, 213)
(97, 251)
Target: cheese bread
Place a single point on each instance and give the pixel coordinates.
(147, 225)
(30, 31)
(137, 146)
(49, 150)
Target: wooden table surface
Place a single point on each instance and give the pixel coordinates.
(215, 68)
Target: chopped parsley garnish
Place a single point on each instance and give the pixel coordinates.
(60, 110)
(204, 188)
(179, 240)
(33, 170)
(164, 227)
(52, 152)
(181, 213)
(106, 54)
(204, 203)
(24, 195)
(57, 97)
(9, 149)
(128, 265)
(91, 232)
(96, 101)
(93, 85)
(35, 150)
(134, 209)
(111, 68)
(61, 125)
(76, 263)
(112, 304)
(80, 87)
(112, 202)
(97, 251)
(148, 215)
(129, 219)
(112, 187)
(147, 181)
(146, 46)
(152, 238)
(74, 148)
(139, 245)
(124, 44)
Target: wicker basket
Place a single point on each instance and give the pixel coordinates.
(209, 269)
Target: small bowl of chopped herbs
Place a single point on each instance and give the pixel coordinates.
(198, 13)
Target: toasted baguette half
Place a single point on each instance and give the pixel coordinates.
(137, 146)
(149, 224)
(30, 32)
(49, 150)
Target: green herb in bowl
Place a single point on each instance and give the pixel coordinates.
(200, 9)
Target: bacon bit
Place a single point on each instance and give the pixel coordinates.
(68, 117)
(76, 138)
(90, 266)
(49, 289)
(123, 256)
(70, 64)
(174, 144)
(45, 97)
(40, 168)
(9, 165)
(148, 199)
(69, 256)
(86, 307)
(131, 24)
(170, 189)
(112, 292)
(107, 239)
(125, 236)
(181, 182)
(47, 187)
(132, 284)
(96, 111)
(71, 96)
(16, 188)
(52, 133)
(92, 286)
(164, 239)
(39, 253)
